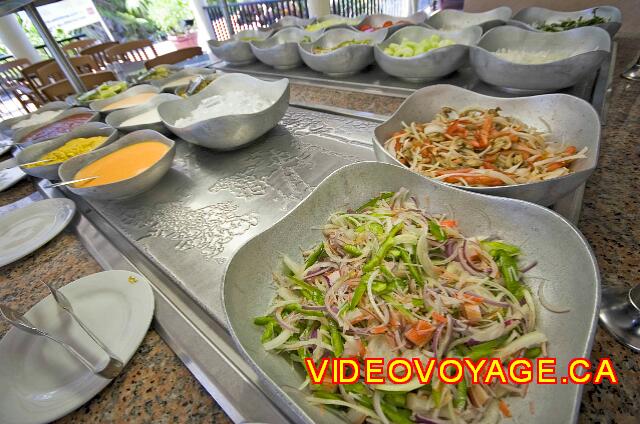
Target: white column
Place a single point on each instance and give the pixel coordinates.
(318, 8)
(205, 28)
(14, 38)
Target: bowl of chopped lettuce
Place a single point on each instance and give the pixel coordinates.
(418, 54)
(608, 18)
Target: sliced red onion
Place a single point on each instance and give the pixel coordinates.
(464, 259)
(314, 307)
(282, 322)
(426, 420)
(489, 301)
(436, 339)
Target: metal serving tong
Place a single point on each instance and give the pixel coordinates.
(109, 371)
(64, 183)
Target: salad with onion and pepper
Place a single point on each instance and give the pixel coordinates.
(390, 280)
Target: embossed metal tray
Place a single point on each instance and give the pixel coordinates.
(182, 234)
(374, 81)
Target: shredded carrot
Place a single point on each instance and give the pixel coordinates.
(504, 408)
(555, 165)
(420, 333)
(449, 223)
(571, 150)
(477, 180)
(381, 329)
(438, 317)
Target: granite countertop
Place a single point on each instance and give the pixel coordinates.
(157, 388)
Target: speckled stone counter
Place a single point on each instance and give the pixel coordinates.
(157, 388)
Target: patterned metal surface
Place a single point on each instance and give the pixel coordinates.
(211, 203)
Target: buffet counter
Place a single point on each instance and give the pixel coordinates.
(157, 387)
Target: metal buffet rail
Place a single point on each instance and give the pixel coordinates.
(182, 234)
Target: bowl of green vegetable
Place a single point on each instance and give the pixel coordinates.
(237, 50)
(341, 52)
(608, 18)
(290, 21)
(101, 92)
(418, 54)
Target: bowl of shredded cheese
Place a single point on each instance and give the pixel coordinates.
(516, 59)
(42, 160)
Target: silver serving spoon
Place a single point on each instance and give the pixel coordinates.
(64, 303)
(64, 183)
(109, 371)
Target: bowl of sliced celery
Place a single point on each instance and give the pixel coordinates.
(418, 54)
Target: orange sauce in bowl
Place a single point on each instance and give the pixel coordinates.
(122, 164)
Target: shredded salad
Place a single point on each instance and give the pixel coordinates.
(391, 280)
(481, 148)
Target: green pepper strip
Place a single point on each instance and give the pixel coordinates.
(510, 274)
(263, 320)
(397, 415)
(359, 291)
(358, 387)
(396, 399)
(460, 399)
(268, 333)
(436, 230)
(352, 250)
(336, 339)
(384, 248)
(483, 350)
(533, 352)
(391, 301)
(494, 247)
(375, 200)
(404, 255)
(326, 395)
(313, 257)
(308, 291)
(385, 271)
(294, 307)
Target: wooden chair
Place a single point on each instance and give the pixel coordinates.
(174, 57)
(97, 52)
(132, 51)
(30, 74)
(12, 70)
(62, 89)
(74, 48)
(25, 95)
(51, 72)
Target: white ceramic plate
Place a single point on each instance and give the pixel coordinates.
(8, 177)
(40, 380)
(25, 230)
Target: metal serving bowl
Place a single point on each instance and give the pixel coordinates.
(571, 120)
(5, 126)
(564, 258)
(168, 84)
(229, 132)
(346, 60)
(21, 134)
(290, 21)
(115, 119)
(100, 105)
(586, 49)
(433, 64)
(36, 151)
(350, 23)
(377, 20)
(451, 19)
(530, 17)
(281, 49)
(126, 188)
(236, 51)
